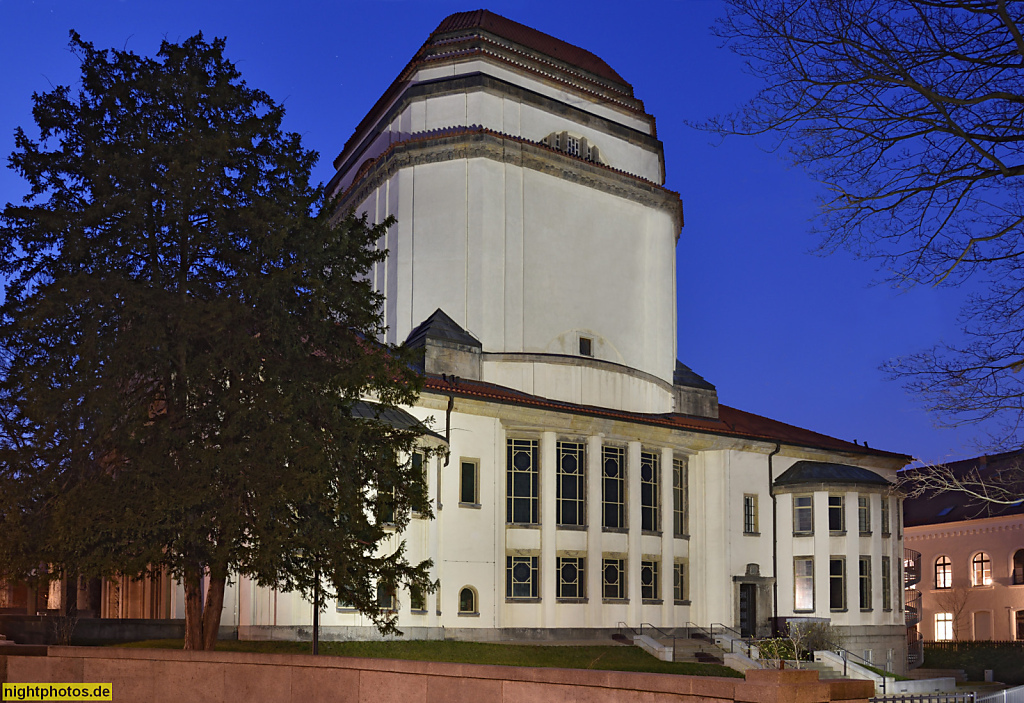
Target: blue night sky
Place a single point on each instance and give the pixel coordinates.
(781, 331)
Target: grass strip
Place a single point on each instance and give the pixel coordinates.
(597, 657)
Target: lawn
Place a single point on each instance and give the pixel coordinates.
(611, 658)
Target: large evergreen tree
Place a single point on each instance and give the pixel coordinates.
(184, 336)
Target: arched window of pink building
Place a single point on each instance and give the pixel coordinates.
(943, 573)
(981, 567)
(1018, 567)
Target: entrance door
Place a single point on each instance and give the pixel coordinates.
(748, 609)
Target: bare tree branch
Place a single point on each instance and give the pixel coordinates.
(911, 114)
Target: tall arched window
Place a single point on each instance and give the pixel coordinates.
(467, 601)
(1018, 567)
(943, 573)
(981, 568)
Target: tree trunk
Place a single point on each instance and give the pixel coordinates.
(193, 608)
(213, 610)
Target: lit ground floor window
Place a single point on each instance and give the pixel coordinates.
(943, 627)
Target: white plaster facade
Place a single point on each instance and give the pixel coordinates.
(529, 248)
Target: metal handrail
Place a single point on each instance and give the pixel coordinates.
(745, 642)
(656, 629)
(847, 655)
(694, 626)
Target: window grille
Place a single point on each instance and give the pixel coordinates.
(649, 580)
(680, 489)
(750, 514)
(571, 577)
(521, 577)
(679, 582)
(649, 497)
(570, 506)
(614, 579)
(613, 487)
(523, 482)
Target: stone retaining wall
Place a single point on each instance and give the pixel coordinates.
(172, 675)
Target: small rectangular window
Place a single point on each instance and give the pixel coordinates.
(680, 486)
(586, 346)
(421, 476)
(803, 584)
(885, 517)
(521, 577)
(649, 587)
(650, 498)
(943, 627)
(572, 574)
(469, 488)
(836, 514)
(803, 515)
(864, 515)
(613, 488)
(679, 590)
(523, 483)
(570, 486)
(613, 579)
(417, 601)
(886, 583)
(865, 583)
(386, 599)
(837, 583)
(750, 514)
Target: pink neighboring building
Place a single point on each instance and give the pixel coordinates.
(972, 560)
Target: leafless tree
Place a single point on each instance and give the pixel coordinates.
(1003, 485)
(911, 112)
(954, 601)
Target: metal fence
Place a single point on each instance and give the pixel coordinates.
(926, 698)
(1009, 695)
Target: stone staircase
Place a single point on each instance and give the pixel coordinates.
(824, 670)
(694, 649)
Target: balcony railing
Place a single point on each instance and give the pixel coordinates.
(911, 567)
(912, 607)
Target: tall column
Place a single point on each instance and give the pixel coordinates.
(433, 533)
(635, 521)
(594, 542)
(548, 577)
(667, 538)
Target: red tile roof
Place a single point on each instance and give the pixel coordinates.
(730, 423)
(530, 38)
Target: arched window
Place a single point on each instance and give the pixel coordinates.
(1018, 567)
(943, 573)
(981, 568)
(467, 600)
